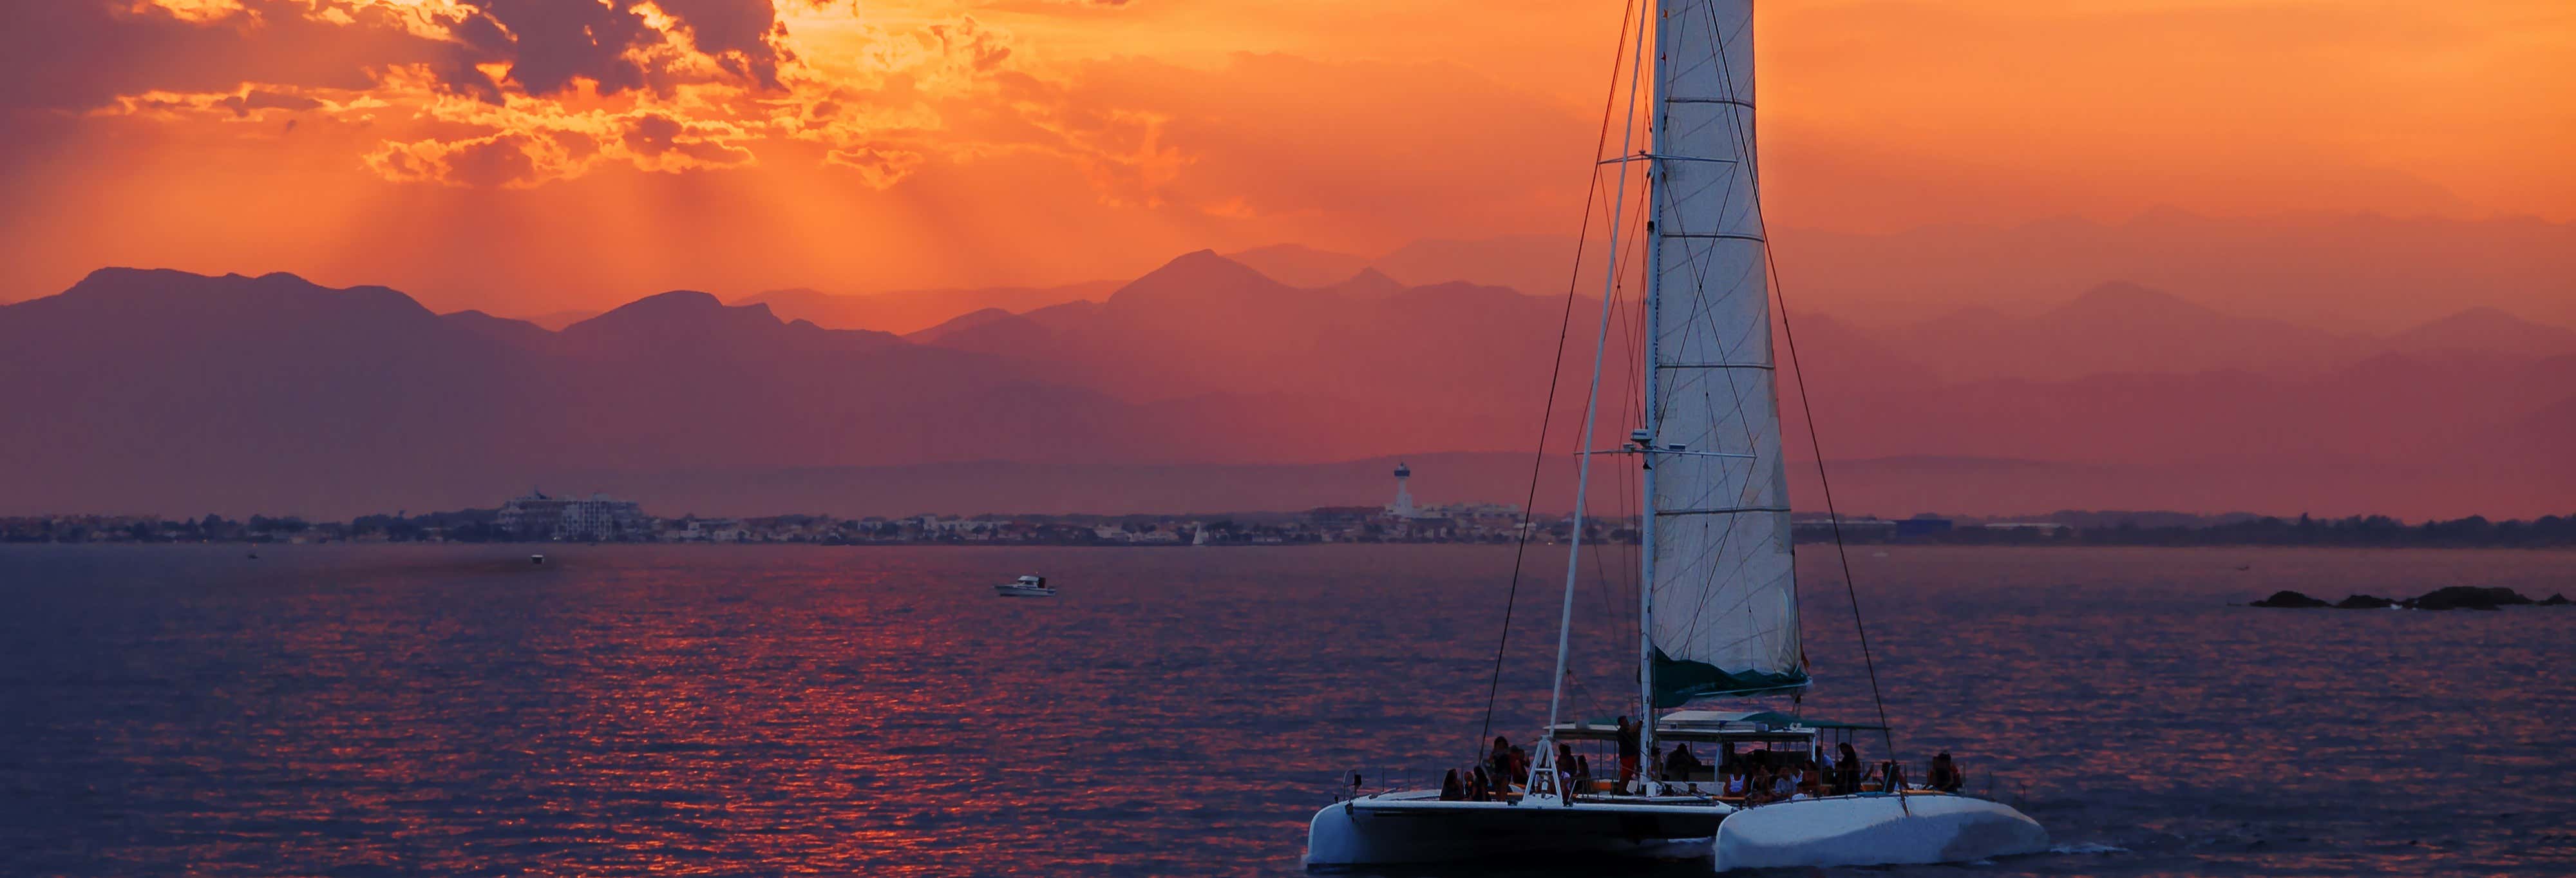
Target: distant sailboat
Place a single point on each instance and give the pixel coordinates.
(1719, 615)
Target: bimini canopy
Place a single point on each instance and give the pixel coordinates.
(1711, 725)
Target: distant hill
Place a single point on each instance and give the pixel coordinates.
(177, 393)
(2487, 331)
(168, 392)
(908, 311)
(1298, 265)
(2120, 328)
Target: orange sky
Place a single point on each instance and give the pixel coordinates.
(534, 155)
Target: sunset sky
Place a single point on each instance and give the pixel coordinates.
(527, 156)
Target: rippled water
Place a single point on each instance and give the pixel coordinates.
(768, 710)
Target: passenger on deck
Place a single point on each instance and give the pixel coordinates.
(1498, 767)
(1480, 788)
(1944, 775)
(1784, 784)
(1847, 771)
(1682, 764)
(1628, 735)
(1738, 783)
(1757, 785)
(1520, 765)
(1450, 789)
(1566, 776)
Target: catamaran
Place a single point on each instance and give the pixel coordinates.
(1718, 610)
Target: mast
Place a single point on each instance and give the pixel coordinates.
(1646, 447)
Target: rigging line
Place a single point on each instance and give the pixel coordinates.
(1806, 406)
(1556, 369)
(1617, 302)
(1630, 408)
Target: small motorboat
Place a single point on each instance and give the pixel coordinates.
(539, 560)
(1030, 586)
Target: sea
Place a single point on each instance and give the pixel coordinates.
(817, 710)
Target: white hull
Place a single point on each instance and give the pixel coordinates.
(1874, 830)
(1417, 827)
(1024, 591)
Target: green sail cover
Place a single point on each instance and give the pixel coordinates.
(1679, 682)
(1724, 595)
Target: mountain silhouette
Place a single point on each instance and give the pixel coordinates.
(907, 311)
(175, 393)
(1298, 265)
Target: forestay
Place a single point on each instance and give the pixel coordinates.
(1724, 600)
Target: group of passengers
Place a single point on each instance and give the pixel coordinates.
(1762, 776)
(1508, 766)
(1753, 776)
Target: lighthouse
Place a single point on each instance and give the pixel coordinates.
(1403, 505)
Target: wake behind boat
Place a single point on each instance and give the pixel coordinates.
(1718, 613)
(1030, 586)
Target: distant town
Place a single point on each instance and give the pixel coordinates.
(538, 517)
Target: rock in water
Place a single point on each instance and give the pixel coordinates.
(2468, 597)
(2364, 602)
(1873, 830)
(2555, 600)
(2291, 600)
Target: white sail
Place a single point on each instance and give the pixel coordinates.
(1724, 610)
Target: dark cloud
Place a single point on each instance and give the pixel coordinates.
(80, 54)
(495, 161)
(264, 99)
(549, 44)
(742, 35)
(653, 134)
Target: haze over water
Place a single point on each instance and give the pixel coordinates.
(755, 710)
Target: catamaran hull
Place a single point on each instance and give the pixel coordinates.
(1874, 830)
(1380, 832)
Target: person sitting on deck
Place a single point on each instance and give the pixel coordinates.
(1784, 784)
(1811, 781)
(1479, 787)
(1628, 735)
(1450, 789)
(1520, 765)
(1757, 785)
(1498, 767)
(1944, 775)
(1895, 777)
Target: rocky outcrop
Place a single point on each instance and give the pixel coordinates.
(2468, 597)
(2457, 597)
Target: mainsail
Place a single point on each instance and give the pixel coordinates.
(1723, 602)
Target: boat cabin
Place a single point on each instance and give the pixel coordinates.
(1033, 581)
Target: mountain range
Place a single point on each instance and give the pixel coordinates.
(1187, 388)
